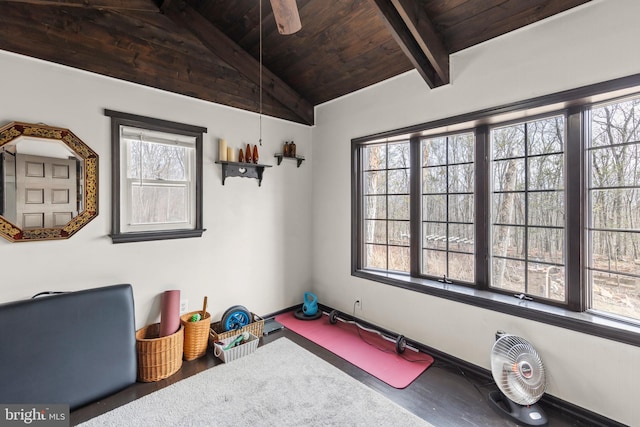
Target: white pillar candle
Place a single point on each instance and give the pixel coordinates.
(222, 150)
(231, 155)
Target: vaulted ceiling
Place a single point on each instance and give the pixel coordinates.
(210, 49)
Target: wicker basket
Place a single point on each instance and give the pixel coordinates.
(217, 332)
(158, 357)
(196, 335)
(247, 347)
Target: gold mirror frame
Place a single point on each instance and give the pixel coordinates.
(15, 130)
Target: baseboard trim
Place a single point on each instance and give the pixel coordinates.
(284, 310)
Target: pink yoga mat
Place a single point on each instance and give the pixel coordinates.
(366, 350)
(170, 313)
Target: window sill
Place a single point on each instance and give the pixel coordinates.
(144, 236)
(581, 322)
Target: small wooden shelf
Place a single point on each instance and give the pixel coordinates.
(280, 156)
(243, 170)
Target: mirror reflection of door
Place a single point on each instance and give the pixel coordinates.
(46, 195)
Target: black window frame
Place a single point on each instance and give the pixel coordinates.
(119, 119)
(573, 313)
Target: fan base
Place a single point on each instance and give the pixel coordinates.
(531, 415)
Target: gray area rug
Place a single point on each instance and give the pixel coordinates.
(281, 384)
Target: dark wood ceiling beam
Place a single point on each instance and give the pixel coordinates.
(226, 49)
(128, 5)
(425, 34)
(400, 32)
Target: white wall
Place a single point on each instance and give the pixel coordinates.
(592, 43)
(256, 250)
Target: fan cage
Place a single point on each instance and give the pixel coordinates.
(517, 370)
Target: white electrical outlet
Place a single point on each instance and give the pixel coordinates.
(184, 306)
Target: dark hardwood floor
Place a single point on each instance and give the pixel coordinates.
(444, 395)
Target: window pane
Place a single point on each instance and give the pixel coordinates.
(399, 259)
(375, 232)
(615, 293)
(434, 208)
(434, 152)
(399, 233)
(616, 209)
(546, 208)
(508, 175)
(546, 136)
(375, 157)
(616, 166)
(386, 206)
(158, 204)
(461, 179)
(461, 267)
(434, 263)
(507, 142)
(398, 207)
(546, 281)
(434, 180)
(375, 182)
(158, 161)
(461, 208)
(546, 244)
(435, 235)
(375, 256)
(398, 155)
(616, 290)
(616, 123)
(508, 208)
(461, 238)
(398, 181)
(375, 207)
(616, 251)
(461, 148)
(508, 241)
(453, 178)
(525, 194)
(546, 172)
(507, 274)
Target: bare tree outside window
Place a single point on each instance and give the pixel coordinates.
(614, 197)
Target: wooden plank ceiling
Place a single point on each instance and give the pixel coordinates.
(210, 49)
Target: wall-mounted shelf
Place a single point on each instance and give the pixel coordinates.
(243, 170)
(280, 156)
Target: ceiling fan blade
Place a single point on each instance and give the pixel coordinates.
(287, 17)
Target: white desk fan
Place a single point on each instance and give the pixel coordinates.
(519, 374)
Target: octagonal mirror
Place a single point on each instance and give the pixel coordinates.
(48, 182)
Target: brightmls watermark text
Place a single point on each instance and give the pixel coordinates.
(34, 415)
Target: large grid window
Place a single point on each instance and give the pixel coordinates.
(528, 208)
(386, 206)
(538, 200)
(448, 183)
(614, 199)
